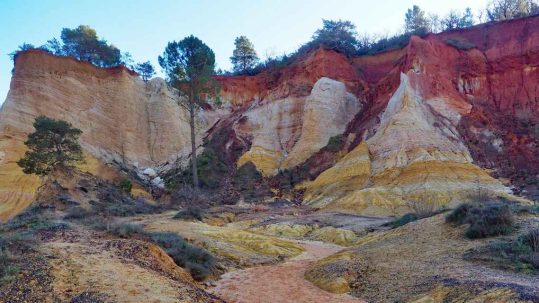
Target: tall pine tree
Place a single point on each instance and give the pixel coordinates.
(244, 57)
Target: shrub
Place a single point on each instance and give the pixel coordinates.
(113, 202)
(531, 239)
(211, 168)
(126, 185)
(423, 208)
(125, 230)
(488, 221)
(519, 254)
(458, 215)
(191, 213)
(250, 183)
(35, 218)
(12, 248)
(199, 262)
(485, 220)
(335, 143)
(77, 212)
(8, 270)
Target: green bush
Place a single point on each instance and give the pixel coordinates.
(489, 221)
(199, 262)
(211, 168)
(520, 254)
(76, 212)
(458, 215)
(12, 249)
(335, 143)
(8, 270)
(191, 213)
(485, 220)
(531, 239)
(125, 230)
(126, 185)
(35, 219)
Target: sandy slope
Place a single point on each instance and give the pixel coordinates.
(280, 283)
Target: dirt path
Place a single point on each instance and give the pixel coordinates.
(280, 283)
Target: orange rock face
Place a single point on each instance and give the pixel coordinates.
(466, 98)
(478, 89)
(124, 120)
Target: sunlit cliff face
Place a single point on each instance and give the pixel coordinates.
(428, 123)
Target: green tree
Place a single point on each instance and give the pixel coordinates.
(84, 44)
(457, 19)
(23, 47)
(467, 19)
(338, 35)
(145, 70)
(511, 9)
(415, 20)
(189, 65)
(244, 56)
(53, 145)
(451, 21)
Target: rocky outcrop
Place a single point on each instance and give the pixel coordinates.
(444, 116)
(125, 121)
(440, 119)
(415, 156)
(287, 132)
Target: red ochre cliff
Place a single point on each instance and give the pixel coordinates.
(446, 116)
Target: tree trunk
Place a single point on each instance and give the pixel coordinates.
(193, 139)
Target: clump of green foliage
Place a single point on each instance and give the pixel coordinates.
(145, 70)
(125, 230)
(335, 143)
(76, 212)
(83, 44)
(54, 144)
(244, 56)
(519, 254)
(12, 249)
(485, 220)
(126, 185)
(191, 213)
(249, 182)
(460, 44)
(199, 262)
(8, 270)
(35, 218)
(338, 35)
(211, 168)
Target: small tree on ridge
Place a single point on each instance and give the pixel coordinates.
(244, 57)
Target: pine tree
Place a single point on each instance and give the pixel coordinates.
(145, 70)
(53, 145)
(189, 65)
(415, 20)
(244, 57)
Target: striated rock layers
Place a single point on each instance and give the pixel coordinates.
(288, 131)
(447, 116)
(124, 120)
(415, 159)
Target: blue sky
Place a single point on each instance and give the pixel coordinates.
(143, 28)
